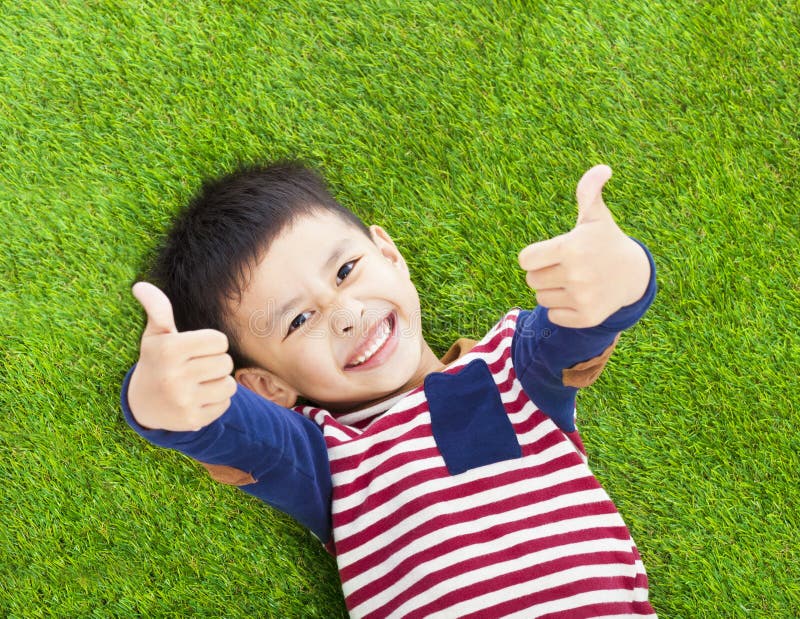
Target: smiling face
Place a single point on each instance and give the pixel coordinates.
(332, 315)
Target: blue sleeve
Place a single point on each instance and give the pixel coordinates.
(282, 450)
(541, 351)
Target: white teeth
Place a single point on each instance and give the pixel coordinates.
(380, 339)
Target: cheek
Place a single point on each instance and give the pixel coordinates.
(410, 303)
(310, 358)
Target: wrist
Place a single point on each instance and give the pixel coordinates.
(638, 273)
(134, 402)
(628, 315)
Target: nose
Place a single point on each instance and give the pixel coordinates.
(346, 315)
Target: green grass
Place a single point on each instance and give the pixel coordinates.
(462, 128)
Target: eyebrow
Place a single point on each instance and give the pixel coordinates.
(336, 254)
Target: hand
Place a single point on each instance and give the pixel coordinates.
(593, 270)
(182, 381)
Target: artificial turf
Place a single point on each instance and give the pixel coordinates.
(462, 128)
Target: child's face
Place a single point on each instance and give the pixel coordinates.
(333, 314)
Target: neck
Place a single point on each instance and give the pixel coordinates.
(428, 363)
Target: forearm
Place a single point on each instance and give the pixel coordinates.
(267, 450)
(552, 361)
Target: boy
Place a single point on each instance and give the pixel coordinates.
(454, 487)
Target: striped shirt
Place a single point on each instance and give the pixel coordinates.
(463, 499)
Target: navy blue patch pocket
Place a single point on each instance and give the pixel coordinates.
(469, 423)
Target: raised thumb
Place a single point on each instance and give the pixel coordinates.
(158, 308)
(590, 194)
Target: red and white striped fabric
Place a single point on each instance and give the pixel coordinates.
(534, 536)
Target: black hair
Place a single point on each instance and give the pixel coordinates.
(204, 262)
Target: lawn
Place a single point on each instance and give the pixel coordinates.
(462, 128)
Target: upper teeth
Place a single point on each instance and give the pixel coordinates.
(381, 335)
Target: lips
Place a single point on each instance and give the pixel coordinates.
(371, 349)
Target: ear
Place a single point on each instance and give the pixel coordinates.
(267, 385)
(387, 247)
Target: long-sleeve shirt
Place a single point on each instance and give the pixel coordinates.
(434, 498)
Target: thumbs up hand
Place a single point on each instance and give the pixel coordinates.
(587, 274)
(182, 381)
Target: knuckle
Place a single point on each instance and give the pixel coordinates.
(576, 275)
(584, 297)
(222, 340)
(212, 340)
(164, 355)
(169, 379)
(183, 402)
(571, 251)
(558, 243)
(574, 278)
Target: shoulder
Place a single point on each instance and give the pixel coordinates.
(494, 347)
(501, 334)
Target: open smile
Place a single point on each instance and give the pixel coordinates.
(376, 347)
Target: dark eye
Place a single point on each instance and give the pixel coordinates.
(298, 321)
(344, 271)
